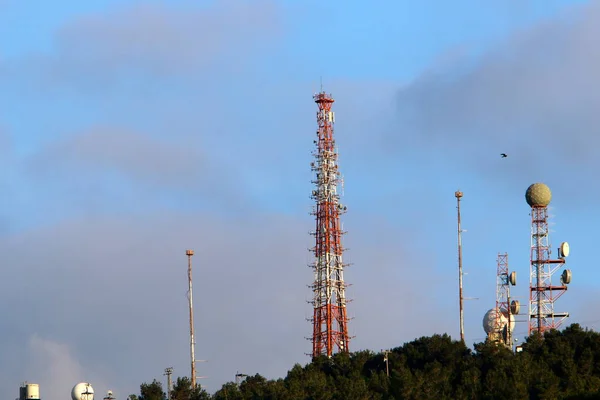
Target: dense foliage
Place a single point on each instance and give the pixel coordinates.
(561, 365)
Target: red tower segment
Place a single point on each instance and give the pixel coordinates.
(330, 321)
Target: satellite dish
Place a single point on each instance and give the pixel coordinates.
(515, 307)
(512, 278)
(564, 249)
(566, 276)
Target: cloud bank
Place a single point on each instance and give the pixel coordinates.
(533, 97)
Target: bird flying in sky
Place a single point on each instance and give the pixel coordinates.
(503, 155)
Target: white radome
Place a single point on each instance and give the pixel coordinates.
(82, 391)
(489, 321)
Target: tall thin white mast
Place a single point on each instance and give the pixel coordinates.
(458, 194)
(189, 254)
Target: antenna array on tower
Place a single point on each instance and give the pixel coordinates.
(542, 293)
(505, 309)
(330, 329)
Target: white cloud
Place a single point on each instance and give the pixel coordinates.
(114, 290)
(55, 367)
(533, 98)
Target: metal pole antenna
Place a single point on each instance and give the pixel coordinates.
(387, 362)
(458, 195)
(168, 373)
(189, 254)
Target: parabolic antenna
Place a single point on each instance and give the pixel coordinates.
(566, 276)
(564, 249)
(515, 307)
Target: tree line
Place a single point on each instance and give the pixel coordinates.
(558, 365)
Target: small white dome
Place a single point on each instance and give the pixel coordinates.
(82, 391)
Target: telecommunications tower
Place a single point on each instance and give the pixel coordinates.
(542, 294)
(506, 309)
(330, 321)
(499, 322)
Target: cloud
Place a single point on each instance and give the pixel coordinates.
(163, 40)
(115, 290)
(7, 156)
(138, 45)
(532, 97)
(109, 168)
(134, 154)
(53, 364)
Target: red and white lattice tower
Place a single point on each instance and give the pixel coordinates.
(499, 321)
(542, 294)
(330, 321)
(505, 309)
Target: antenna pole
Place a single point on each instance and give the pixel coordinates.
(458, 195)
(189, 254)
(168, 373)
(387, 362)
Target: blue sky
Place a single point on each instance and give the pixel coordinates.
(130, 131)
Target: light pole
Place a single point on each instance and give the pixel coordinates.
(168, 373)
(387, 362)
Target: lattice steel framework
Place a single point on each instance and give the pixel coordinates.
(503, 312)
(330, 321)
(542, 294)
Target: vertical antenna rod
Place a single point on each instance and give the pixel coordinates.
(458, 194)
(189, 254)
(330, 329)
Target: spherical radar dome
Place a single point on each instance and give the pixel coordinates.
(82, 391)
(489, 321)
(538, 195)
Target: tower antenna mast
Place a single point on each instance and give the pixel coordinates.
(506, 309)
(330, 321)
(542, 293)
(458, 194)
(189, 254)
